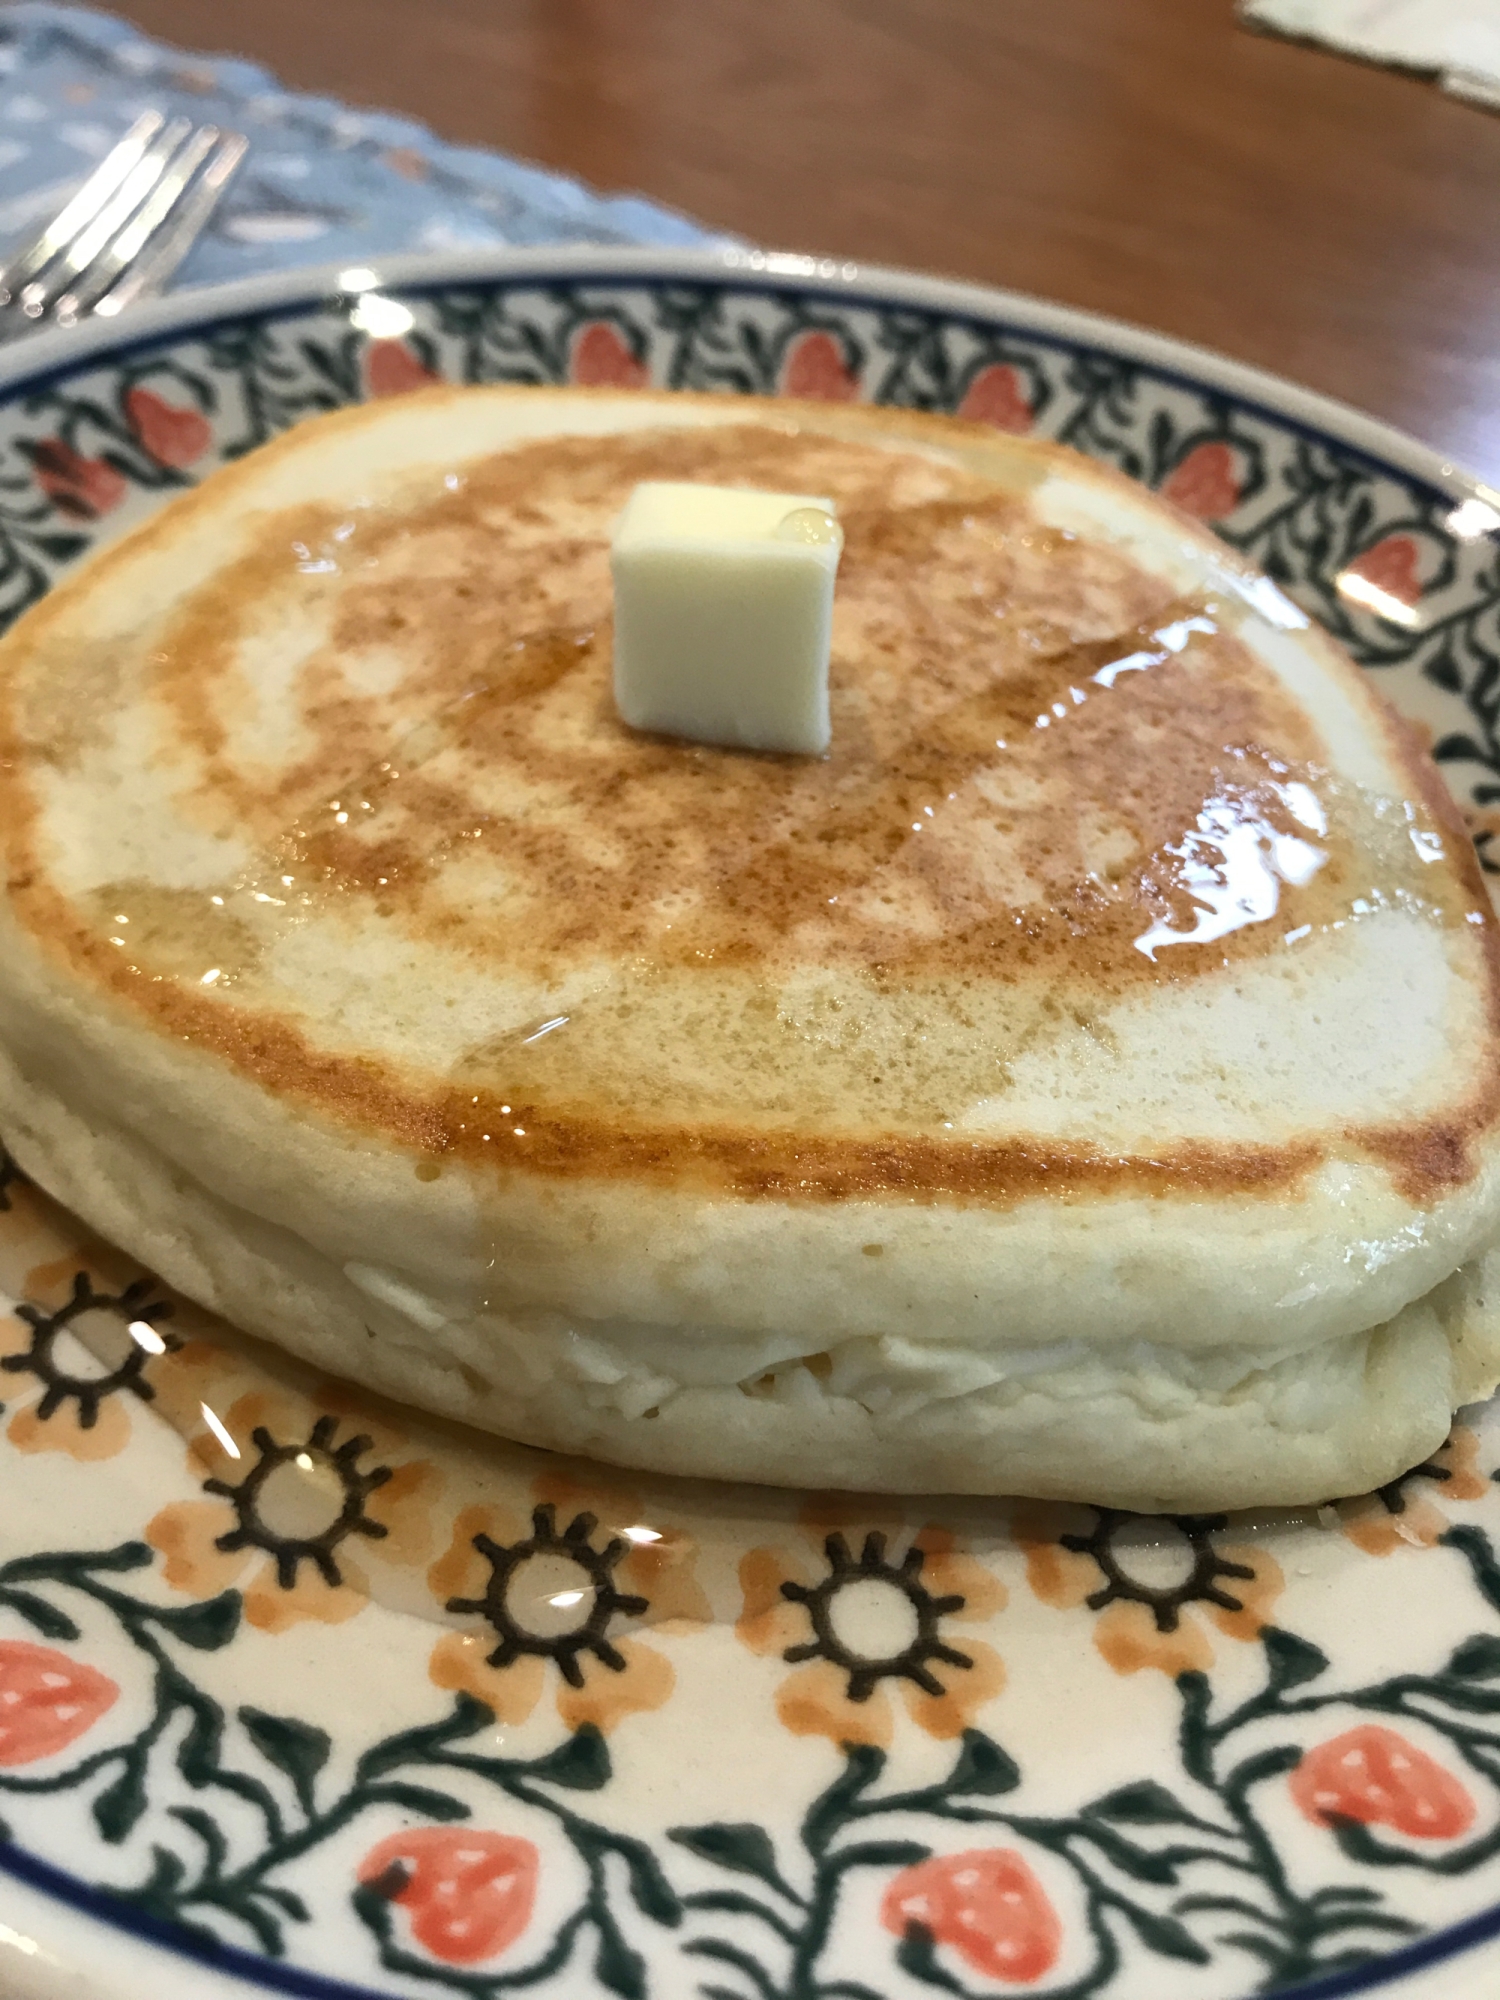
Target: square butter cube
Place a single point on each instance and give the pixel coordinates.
(723, 612)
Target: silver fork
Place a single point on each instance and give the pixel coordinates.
(126, 229)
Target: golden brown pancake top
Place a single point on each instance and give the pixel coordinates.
(1046, 773)
(1027, 732)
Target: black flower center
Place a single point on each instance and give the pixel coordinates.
(875, 1620)
(553, 1595)
(298, 1502)
(125, 1325)
(1161, 1561)
(549, 1595)
(1394, 1497)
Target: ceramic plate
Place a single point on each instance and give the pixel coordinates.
(302, 1694)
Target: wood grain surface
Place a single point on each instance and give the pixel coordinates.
(1147, 158)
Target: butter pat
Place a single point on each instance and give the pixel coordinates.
(723, 613)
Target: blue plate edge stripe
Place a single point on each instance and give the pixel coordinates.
(118, 1912)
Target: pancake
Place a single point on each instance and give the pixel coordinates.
(1082, 1083)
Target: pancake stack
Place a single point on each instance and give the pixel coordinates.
(1081, 1083)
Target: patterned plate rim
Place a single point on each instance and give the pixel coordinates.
(44, 358)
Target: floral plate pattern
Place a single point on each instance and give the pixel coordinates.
(304, 1694)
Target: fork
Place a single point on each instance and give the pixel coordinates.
(127, 228)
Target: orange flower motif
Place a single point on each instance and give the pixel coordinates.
(558, 1590)
(79, 1353)
(1394, 1517)
(1159, 1595)
(292, 1501)
(849, 1624)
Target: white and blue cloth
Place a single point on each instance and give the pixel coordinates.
(322, 182)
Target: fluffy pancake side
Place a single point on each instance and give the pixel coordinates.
(958, 1109)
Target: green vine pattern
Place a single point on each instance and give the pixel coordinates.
(1186, 1872)
(403, 1773)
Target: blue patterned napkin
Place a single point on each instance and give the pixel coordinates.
(322, 182)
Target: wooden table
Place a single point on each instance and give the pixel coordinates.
(1146, 158)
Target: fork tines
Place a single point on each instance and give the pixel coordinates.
(127, 228)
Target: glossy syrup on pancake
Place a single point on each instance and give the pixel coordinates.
(1052, 781)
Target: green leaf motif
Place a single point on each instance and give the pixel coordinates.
(209, 1832)
(982, 1768)
(287, 1900)
(619, 1968)
(741, 1847)
(59, 548)
(1477, 1659)
(40, 1615)
(294, 1747)
(917, 1955)
(1165, 1935)
(419, 1799)
(882, 1854)
(1144, 1804)
(198, 1755)
(581, 1764)
(1458, 748)
(1292, 1661)
(205, 1627)
(650, 1890)
(1141, 1863)
(1256, 1770)
(1360, 1845)
(167, 1871)
(72, 1568)
(121, 1804)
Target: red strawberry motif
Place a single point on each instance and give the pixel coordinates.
(47, 1701)
(985, 1904)
(816, 370)
(601, 359)
(82, 487)
(171, 434)
(469, 1894)
(391, 369)
(1392, 566)
(1372, 1775)
(1204, 483)
(995, 396)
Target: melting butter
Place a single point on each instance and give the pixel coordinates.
(724, 615)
